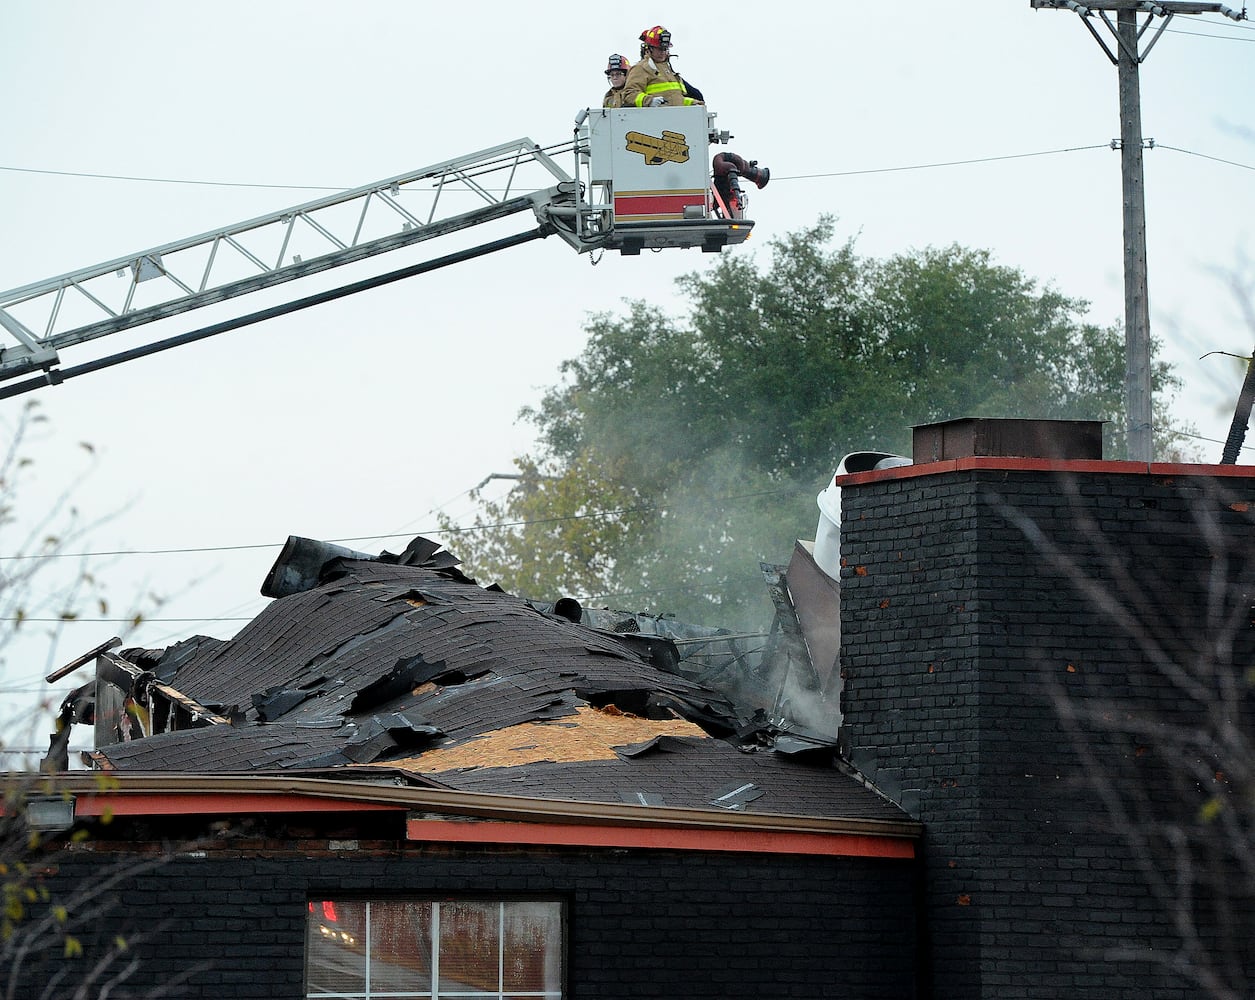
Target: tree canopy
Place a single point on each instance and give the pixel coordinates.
(679, 451)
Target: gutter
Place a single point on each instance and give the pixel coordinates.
(440, 815)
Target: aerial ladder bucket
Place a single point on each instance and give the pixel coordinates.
(645, 177)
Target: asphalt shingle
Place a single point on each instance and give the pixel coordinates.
(418, 669)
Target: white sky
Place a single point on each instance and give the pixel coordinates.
(362, 417)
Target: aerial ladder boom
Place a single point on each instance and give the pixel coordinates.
(640, 181)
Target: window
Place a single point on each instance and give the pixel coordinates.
(406, 949)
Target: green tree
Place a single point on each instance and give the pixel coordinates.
(678, 452)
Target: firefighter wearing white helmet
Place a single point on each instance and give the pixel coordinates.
(652, 83)
(616, 73)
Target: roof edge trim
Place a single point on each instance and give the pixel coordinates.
(172, 794)
(1005, 464)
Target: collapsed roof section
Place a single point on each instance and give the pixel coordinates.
(401, 667)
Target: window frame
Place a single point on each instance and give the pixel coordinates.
(432, 990)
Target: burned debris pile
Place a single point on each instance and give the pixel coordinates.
(401, 667)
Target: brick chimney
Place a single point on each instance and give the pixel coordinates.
(1028, 645)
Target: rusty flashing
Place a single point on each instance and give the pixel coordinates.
(965, 437)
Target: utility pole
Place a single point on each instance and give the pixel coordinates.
(1127, 33)
(1137, 384)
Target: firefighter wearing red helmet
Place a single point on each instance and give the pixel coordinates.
(652, 83)
(616, 73)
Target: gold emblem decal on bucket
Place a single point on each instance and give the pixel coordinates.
(672, 147)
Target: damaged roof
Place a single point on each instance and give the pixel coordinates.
(402, 666)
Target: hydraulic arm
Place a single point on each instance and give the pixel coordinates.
(339, 229)
(635, 185)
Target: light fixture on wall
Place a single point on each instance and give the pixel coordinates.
(50, 812)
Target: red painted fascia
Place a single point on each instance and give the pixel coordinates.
(541, 834)
(997, 464)
(661, 838)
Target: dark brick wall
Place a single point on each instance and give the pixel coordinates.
(640, 923)
(1033, 666)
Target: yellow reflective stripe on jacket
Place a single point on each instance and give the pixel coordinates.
(659, 87)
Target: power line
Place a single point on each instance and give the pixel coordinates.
(777, 177)
(171, 180)
(561, 519)
(945, 163)
(312, 187)
(615, 512)
(363, 538)
(994, 159)
(1200, 437)
(186, 550)
(1204, 156)
(166, 552)
(1223, 38)
(556, 147)
(31, 750)
(119, 621)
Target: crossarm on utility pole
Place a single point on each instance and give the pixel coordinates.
(1139, 405)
